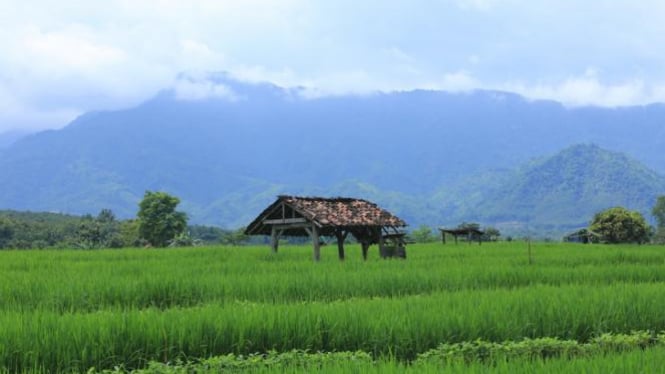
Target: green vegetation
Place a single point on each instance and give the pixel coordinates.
(546, 355)
(25, 230)
(159, 222)
(555, 195)
(620, 225)
(658, 213)
(72, 310)
(423, 234)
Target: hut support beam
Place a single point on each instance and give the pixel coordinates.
(341, 236)
(381, 242)
(317, 244)
(274, 239)
(365, 247)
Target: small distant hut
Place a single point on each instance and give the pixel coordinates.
(470, 233)
(584, 235)
(332, 217)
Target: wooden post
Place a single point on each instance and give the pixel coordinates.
(365, 247)
(315, 241)
(443, 237)
(274, 239)
(381, 250)
(340, 243)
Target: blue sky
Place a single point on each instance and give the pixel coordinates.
(62, 58)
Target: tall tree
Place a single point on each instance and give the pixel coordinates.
(159, 222)
(100, 232)
(620, 225)
(658, 211)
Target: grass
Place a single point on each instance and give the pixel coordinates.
(72, 310)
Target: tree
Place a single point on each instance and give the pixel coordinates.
(620, 225)
(159, 222)
(129, 233)
(491, 234)
(423, 234)
(6, 232)
(658, 213)
(100, 232)
(235, 237)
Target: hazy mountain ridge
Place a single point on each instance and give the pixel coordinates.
(8, 138)
(560, 192)
(410, 151)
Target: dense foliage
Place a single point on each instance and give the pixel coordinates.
(530, 355)
(620, 225)
(159, 222)
(70, 310)
(24, 230)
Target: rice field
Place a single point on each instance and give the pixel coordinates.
(72, 310)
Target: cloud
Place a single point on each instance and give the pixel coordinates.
(589, 90)
(65, 57)
(70, 49)
(480, 5)
(187, 89)
(459, 81)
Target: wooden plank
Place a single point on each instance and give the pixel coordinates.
(283, 221)
(293, 226)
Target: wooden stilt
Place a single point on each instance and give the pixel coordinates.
(381, 243)
(315, 241)
(274, 239)
(365, 247)
(341, 236)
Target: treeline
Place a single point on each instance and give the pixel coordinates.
(31, 230)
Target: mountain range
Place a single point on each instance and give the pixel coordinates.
(432, 157)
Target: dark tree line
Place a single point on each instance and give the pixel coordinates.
(158, 224)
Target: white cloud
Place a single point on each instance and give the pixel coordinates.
(481, 5)
(65, 57)
(459, 81)
(588, 90)
(190, 90)
(70, 49)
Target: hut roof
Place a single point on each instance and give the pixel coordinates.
(329, 212)
(462, 231)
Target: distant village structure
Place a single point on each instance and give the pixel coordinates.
(470, 233)
(583, 235)
(332, 217)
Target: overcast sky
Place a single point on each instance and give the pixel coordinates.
(61, 58)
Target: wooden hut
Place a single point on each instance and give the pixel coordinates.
(583, 236)
(332, 217)
(470, 233)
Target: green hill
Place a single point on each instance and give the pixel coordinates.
(557, 193)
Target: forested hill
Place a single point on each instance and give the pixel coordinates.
(556, 193)
(227, 157)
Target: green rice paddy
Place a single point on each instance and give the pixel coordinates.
(70, 311)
